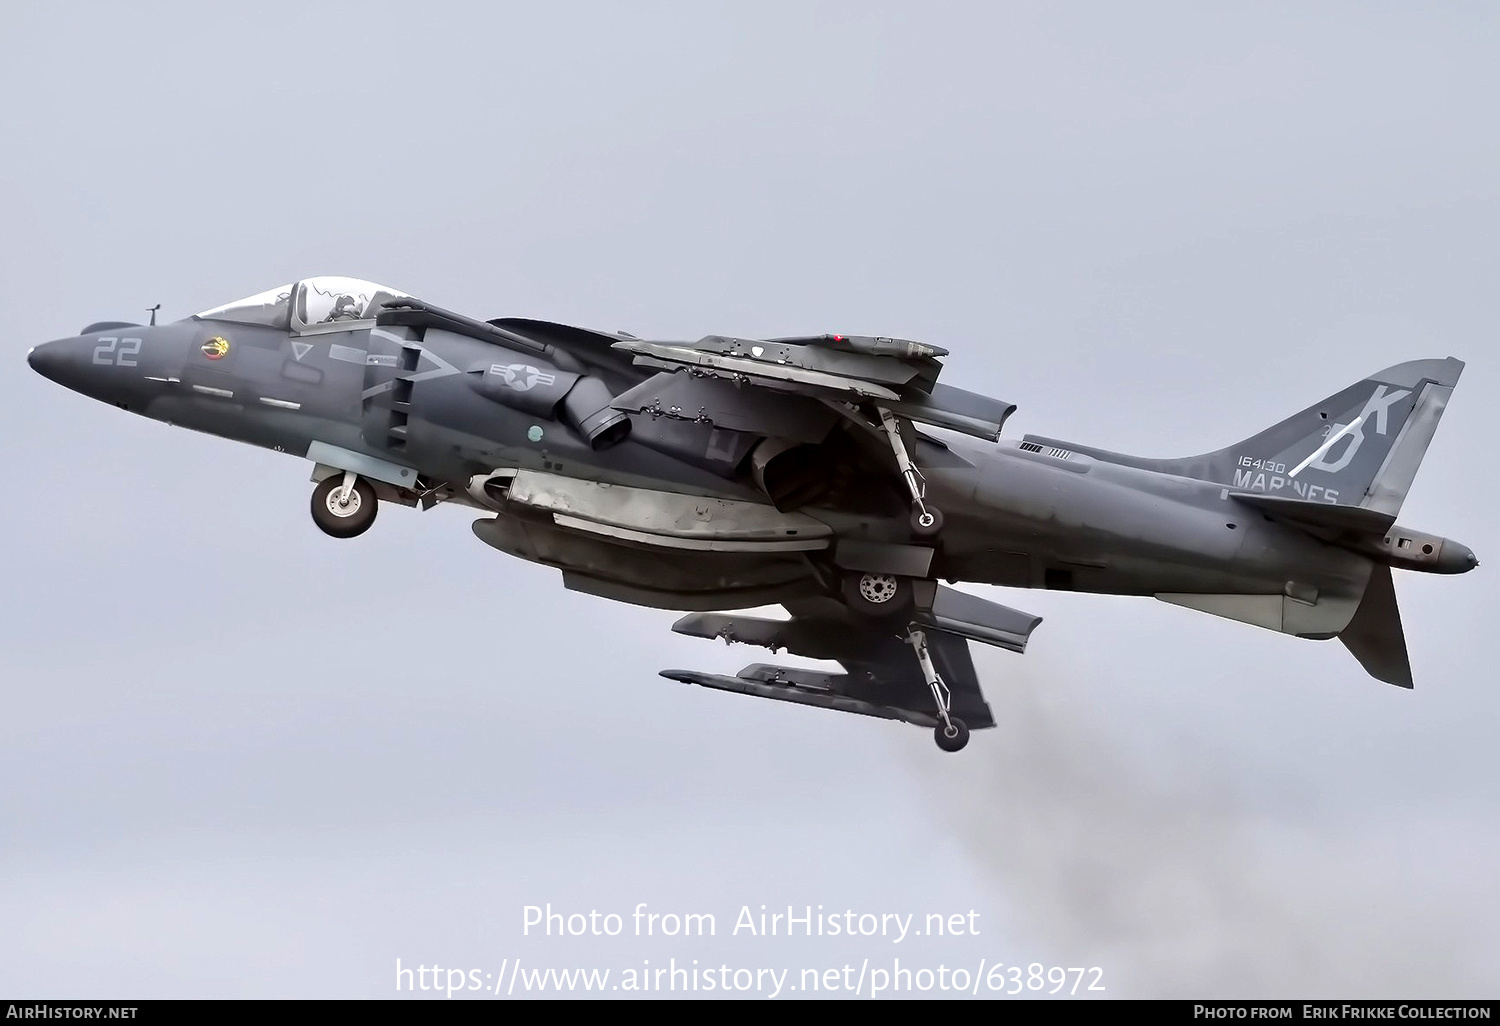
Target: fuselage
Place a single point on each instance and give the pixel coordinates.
(833, 475)
(1017, 516)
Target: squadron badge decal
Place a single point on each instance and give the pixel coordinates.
(216, 347)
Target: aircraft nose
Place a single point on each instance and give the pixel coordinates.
(78, 364)
(50, 359)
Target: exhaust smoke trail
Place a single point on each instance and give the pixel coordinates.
(1175, 882)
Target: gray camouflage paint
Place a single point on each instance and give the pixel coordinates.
(1282, 530)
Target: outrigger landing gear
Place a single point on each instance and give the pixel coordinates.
(344, 505)
(926, 521)
(951, 733)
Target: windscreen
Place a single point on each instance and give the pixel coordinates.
(271, 308)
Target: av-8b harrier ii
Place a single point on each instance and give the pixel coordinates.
(833, 475)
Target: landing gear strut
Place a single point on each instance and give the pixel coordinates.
(926, 521)
(951, 733)
(344, 505)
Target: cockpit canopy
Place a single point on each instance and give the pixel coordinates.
(311, 306)
(271, 308)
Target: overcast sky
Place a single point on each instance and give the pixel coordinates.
(240, 758)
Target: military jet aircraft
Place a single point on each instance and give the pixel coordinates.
(833, 475)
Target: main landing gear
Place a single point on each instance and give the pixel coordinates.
(879, 596)
(926, 521)
(885, 599)
(344, 505)
(951, 733)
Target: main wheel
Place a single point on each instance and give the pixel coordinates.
(350, 517)
(881, 596)
(951, 739)
(926, 523)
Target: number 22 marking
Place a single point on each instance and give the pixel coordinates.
(106, 353)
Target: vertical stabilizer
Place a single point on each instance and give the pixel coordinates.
(1360, 447)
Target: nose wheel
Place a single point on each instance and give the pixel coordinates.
(344, 505)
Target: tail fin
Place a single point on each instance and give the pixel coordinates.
(1358, 447)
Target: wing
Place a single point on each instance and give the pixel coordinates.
(895, 373)
(814, 419)
(883, 675)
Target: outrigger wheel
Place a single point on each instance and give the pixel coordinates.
(344, 505)
(951, 733)
(951, 736)
(926, 521)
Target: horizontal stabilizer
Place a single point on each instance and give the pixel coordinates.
(1375, 635)
(1320, 517)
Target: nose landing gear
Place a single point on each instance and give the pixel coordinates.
(344, 505)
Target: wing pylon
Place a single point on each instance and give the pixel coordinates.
(884, 676)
